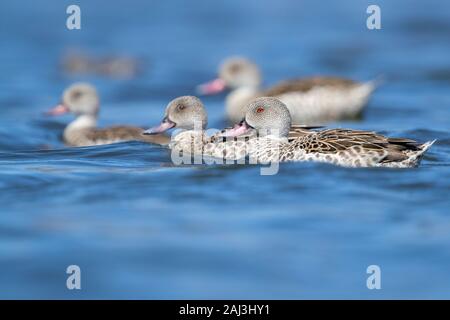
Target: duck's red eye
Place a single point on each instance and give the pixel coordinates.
(259, 110)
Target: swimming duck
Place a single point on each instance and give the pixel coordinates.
(267, 135)
(81, 63)
(82, 100)
(278, 140)
(188, 114)
(314, 100)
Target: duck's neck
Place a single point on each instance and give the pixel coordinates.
(237, 100)
(75, 133)
(186, 136)
(84, 121)
(186, 143)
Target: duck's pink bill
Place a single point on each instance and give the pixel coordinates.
(58, 110)
(212, 87)
(164, 126)
(237, 130)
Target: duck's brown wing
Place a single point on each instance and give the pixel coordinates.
(126, 133)
(298, 131)
(336, 140)
(306, 84)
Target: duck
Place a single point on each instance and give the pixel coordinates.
(75, 62)
(191, 138)
(188, 116)
(275, 139)
(311, 101)
(82, 100)
(266, 134)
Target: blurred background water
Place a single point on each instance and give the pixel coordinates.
(140, 227)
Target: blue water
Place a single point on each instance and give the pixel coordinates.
(140, 227)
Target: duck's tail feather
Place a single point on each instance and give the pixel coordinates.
(427, 145)
(418, 155)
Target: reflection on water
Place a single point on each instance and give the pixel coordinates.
(140, 227)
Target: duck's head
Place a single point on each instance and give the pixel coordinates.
(234, 72)
(79, 99)
(266, 115)
(186, 112)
